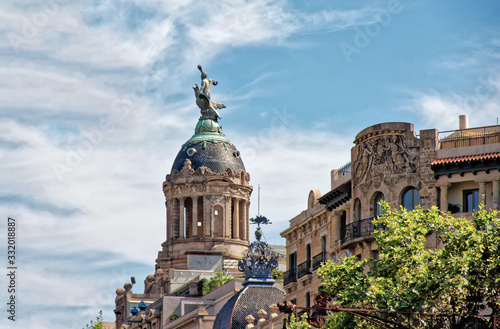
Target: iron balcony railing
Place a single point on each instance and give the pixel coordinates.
(345, 169)
(304, 268)
(342, 171)
(356, 230)
(290, 276)
(471, 137)
(318, 260)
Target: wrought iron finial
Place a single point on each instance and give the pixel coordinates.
(259, 260)
(260, 219)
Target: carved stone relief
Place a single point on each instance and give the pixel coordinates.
(384, 159)
(187, 171)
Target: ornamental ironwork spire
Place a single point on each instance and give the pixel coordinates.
(260, 259)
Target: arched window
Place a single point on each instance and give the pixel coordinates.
(411, 198)
(357, 210)
(377, 208)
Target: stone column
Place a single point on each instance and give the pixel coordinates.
(496, 194)
(175, 218)
(227, 217)
(244, 220)
(168, 221)
(236, 219)
(247, 220)
(207, 216)
(182, 227)
(482, 192)
(337, 214)
(443, 203)
(194, 219)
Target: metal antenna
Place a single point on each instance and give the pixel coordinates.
(259, 219)
(258, 200)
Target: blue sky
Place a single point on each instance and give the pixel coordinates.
(96, 101)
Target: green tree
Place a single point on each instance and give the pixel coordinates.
(216, 281)
(461, 276)
(297, 322)
(277, 274)
(202, 286)
(95, 325)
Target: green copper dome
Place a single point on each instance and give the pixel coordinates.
(207, 130)
(210, 148)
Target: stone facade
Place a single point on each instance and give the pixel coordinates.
(215, 205)
(390, 162)
(308, 241)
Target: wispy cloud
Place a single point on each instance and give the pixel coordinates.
(478, 65)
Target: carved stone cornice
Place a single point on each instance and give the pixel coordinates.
(379, 133)
(187, 174)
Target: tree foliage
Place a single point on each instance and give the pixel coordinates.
(277, 274)
(97, 324)
(460, 276)
(297, 321)
(173, 316)
(206, 286)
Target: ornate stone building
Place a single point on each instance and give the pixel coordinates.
(207, 199)
(389, 161)
(207, 195)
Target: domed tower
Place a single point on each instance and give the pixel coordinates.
(207, 193)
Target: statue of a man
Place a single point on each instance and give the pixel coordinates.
(208, 108)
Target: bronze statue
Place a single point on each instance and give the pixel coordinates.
(208, 108)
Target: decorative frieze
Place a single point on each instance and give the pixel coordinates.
(385, 159)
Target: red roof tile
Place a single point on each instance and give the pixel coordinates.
(465, 158)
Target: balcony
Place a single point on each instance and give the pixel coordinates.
(304, 268)
(356, 230)
(471, 137)
(318, 260)
(289, 276)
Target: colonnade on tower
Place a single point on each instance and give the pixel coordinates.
(196, 217)
(207, 192)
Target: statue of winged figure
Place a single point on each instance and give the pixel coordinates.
(208, 108)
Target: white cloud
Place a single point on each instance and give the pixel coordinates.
(37, 90)
(482, 105)
(289, 162)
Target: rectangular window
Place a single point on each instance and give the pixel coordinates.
(308, 252)
(292, 261)
(308, 299)
(323, 244)
(471, 200)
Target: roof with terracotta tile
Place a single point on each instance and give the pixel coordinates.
(466, 158)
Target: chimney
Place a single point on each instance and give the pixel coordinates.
(464, 121)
